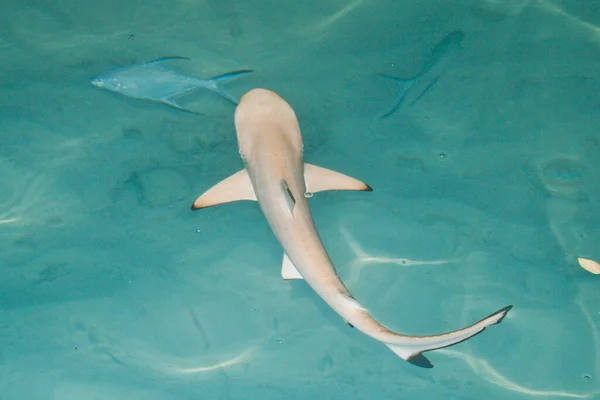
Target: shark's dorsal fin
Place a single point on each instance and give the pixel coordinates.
(289, 196)
(318, 179)
(288, 270)
(237, 187)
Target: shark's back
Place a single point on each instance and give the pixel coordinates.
(263, 116)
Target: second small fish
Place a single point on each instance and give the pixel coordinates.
(155, 81)
(441, 55)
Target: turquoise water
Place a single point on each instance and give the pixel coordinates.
(112, 288)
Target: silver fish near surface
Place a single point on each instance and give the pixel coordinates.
(155, 81)
(441, 55)
(276, 176)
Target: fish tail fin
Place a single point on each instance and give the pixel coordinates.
(217, 81)
(411, 348)
(429, 86)
(405, 85)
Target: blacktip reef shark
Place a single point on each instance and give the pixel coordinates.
(155, 81)
(441, 55)
(275, 175)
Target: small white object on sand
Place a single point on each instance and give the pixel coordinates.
(589, 265)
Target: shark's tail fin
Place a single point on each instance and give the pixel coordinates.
(411, 348)
(216, 82)
(405, 85)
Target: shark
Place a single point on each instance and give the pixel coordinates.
(441, 55)
(155, 81)
(275, 175)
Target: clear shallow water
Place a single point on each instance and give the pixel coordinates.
(111, 288)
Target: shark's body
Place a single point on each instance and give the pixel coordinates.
(441, 55)
(276, 176)
(155, 81)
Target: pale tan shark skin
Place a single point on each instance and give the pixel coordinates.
(276, 176)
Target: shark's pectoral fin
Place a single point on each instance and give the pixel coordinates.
(318, 179)
(288, 270)
(237, 187)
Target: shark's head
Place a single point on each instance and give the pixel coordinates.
(264, 113)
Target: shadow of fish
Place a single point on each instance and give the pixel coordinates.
(155, 81)
(441, 55)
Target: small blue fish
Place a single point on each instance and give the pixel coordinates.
(157, 82)
(441, 55)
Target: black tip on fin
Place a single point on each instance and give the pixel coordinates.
(420, 361)
(368, 188)
(350, 325)
(505, 310)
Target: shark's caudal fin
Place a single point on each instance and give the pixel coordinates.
(411, 348)
(216, 82)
